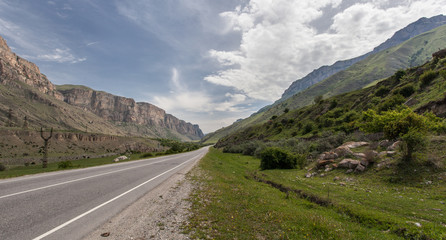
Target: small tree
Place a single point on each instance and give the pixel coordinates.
(45, 147)
(318, 99)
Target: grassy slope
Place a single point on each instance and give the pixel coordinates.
(230, 204)
(325, 117)
(413, 52)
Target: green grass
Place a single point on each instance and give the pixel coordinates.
(16, 171)
(230, 204)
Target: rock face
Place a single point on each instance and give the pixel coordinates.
(412, 30)
(82, 105)
(13, 67)
(125, 110)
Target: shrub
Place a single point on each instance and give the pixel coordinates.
(399, 74)
(407, 91)
(333, 104)
(318, 99)
(276, 158)
(413, 141)
(443, 74)
(308, 128)
(2, 167)
(146, 155)
(65, 164)
(286, 110)
(382, 91)
(391, 102)
(427, 77)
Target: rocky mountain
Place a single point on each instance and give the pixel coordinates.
(29, 98)
(125, 110)
(420, 26)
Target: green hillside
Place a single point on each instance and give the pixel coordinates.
(413, 52)
(420, 88)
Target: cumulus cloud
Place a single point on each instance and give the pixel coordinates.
(279, 44)
(182, 99)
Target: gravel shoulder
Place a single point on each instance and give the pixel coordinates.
(159, 214)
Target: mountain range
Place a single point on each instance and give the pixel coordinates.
(28, 98)
(410, 46)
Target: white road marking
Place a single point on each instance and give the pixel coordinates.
(79, 179)
(109, 201)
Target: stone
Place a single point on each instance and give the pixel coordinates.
(348, 163)
(336, 179)
(308, 175)
(359, 155)
(349, 171)
(364, 162)
(384, 143)
(120, 158)
(328, 169)
(322, 163)
(394, 146)
(355, 144)
(360, 168)
(343, 151)
(328, 156)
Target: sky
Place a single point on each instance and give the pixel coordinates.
(208, 62)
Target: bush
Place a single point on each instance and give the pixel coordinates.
(146, 155)
(443, 74)
(308, 128)
(407, 91)
(391, 102)
(2, 167)
(382, 91)
(427, 77)
(276, 158)
(413, 141)
(65, 164)
(399, 74)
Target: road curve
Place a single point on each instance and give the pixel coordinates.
(70, 204)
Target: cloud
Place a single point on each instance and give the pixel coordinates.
(58, 55)
(279, 44)
(182, 99)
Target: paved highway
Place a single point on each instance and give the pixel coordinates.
(70, 204)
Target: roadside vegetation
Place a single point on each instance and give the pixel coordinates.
(238, 200)
(170, 146)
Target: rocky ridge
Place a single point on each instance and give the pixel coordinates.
(44, 105)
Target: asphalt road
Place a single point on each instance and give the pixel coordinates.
(70, 204)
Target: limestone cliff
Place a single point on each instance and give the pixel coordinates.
(13, 67)
(125, 110)
(29, 94)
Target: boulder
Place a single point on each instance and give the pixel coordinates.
(384, 143)
(360, 168)
(343, 151)
(328, 156)
(364, 162)
(359, 155)
(120, 158)
(348, 163)
(323, 163)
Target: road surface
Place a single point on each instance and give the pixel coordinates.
(70, 204)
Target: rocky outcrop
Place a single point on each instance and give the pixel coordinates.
(420, 26)
(125, 110)
(13, 68)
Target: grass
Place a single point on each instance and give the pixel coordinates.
(16, 171)
(231, 204)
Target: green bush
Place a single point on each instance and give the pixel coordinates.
(65, 164)
(414, 141)
(2, 167)
(443, 74)
(399, 74)
(276, 158)
(146, 155)
(427, 77)
(407, 90)
(308, 128)
(382, 91)
(391, 102)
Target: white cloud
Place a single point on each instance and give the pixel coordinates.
(57, 55)
(279, 45)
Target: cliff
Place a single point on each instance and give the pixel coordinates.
(125, 110)
(27, 93)
(13, 67)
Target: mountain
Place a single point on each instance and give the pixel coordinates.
(27, 93)
(373, 68)
(420, 26)
(313, 127)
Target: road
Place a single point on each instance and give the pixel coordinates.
(70, 204)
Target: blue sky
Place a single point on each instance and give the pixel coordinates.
(205, 61)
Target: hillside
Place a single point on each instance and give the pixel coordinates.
(418, 27)
(27, 93)
(420, 88)
(414, 51)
